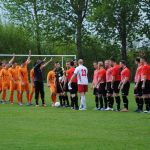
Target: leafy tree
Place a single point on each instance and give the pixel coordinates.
(117, 21)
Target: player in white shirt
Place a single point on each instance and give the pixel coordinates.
(81, 73)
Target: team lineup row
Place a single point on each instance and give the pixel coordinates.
(108, 80)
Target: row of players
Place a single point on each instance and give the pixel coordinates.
(109, 78)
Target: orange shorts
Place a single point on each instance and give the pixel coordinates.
(14, 86)
(5, 86)
(25, 87)
(52, 88)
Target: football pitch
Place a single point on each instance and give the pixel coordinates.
(31, 128)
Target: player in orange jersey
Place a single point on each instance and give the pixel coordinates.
(14, 82)
(51, 82)
(24, 81)
(5, 79)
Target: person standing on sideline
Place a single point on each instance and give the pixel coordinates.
(38, 81)
(81, 72)
(124, 85)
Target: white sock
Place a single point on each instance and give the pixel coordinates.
(83, 102)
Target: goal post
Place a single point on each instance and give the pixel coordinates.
(25, 55)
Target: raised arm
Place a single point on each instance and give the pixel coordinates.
(29, 57)
(12, 59)
(47, 63)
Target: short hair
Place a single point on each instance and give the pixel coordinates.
(113, 59)
(137, 59)
(72, 63)
(23, 61)
(123, 62)
(101, 63)
(144, 58)
(1, 63)
(57, 62)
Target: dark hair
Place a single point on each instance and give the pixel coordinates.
(1, 63)
(56, 62)
(123, 62)
(72, 63)
(113, 59)
(23, 61)
(137, 59)
(144, 58)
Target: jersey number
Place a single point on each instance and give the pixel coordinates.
(83, 72)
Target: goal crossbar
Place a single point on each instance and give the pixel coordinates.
(25, 55)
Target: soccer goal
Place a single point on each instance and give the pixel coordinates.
(60, 58)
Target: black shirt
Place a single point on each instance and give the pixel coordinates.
(38, 76)
(58, 73)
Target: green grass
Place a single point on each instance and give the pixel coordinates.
(30, 128)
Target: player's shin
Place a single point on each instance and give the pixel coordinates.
(11, 97)
(118, 101)
(4, 95)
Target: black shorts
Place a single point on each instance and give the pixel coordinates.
(115, 87)
(109, 89)
(125, 90)
(102, 89)
(74, 89)
(146, 90)
(66, 87)
(138, 91)
(59, 87)
(95, 91)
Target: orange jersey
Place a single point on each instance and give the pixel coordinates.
(23, 73)
(0, 81)
(32, 75)
(13, 73)
(51, 77)
(4, 75)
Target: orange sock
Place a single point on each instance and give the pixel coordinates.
(18, 97)
(28, 97)
(53, 98)
(11, 98)
(3, 95)
(31, 95)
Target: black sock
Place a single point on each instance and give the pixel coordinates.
(64, 100)
(43, 101)
(96, 101)
(67, 100)
(111, 101)
(60, 99)
(137, 102)
(147, 102)
(76, 102)
(125, 101)
(118, 102)
(71, 101)
(105, 101)
(37, 102)
(141, 103)
(101, 101)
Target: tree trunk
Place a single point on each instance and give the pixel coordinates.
(37, 30)
(79, 36)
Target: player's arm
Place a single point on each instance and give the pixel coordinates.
(20, 76)
(29, 58)
(98, 82)
(43, 66)
(72, 78)
(12, 59)
(138, 81)
(126, 79)
(48, 76)
(144, 81)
